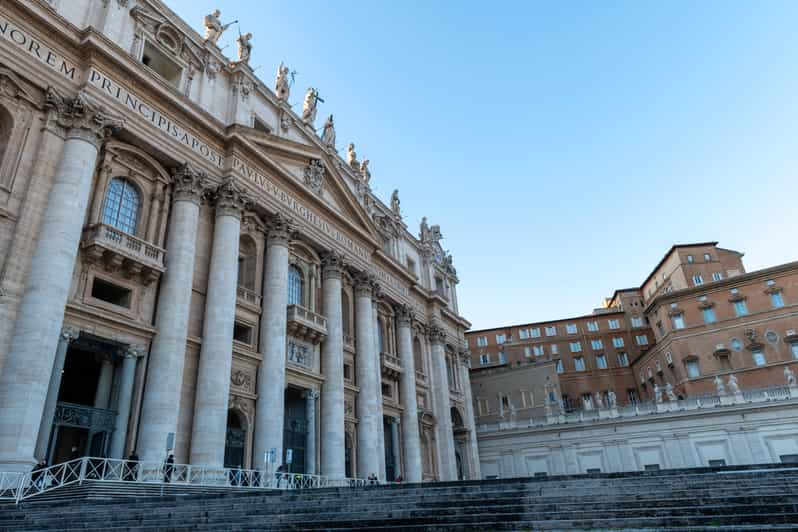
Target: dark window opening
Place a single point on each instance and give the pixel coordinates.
(242, 333)
(717, 463)
(161, 64)
(594, 470)
(111, 293)
(651, 467)
(789, 458)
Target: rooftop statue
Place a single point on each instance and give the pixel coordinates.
(669, 392)
(424, 232)
(244, 48)
(719, 386)
(657, 393)
(328, 135)
(364, 170)
(733, 386)
(612, 399)
(395, 201)
(789, 375)
(282, 87)
(309, 106)
(351, 156)
(599, 400)
(214, 27)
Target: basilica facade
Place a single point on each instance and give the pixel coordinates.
(188, 267)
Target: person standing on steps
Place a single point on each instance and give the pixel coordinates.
(132, 466)
(168, 467)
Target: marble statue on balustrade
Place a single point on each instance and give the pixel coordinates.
(599, 400)
(310, 105)
(719, 386)
(214, 27)
(364, 171)
(612, 399)
(789, 376)
(670, 393)
(657, 393)
(351, 157)
(423, 230)
(328, 135)
(395, 202)
(282, 87)
(733, 386)
(244, 48)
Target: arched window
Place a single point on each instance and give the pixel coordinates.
(417, 354)
(122, 205)
(247, 257)
(6, 127)
(294, 286)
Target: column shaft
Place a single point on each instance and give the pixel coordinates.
(270, 408)
(397, 466)
(380, 434)
(411, 439)
(333, 458)
(68, 335)
(164, 384)
(103, 393)
(474, 470)
(26, 376)
(368, 461)
(310, 443)
(209, 431)
(119, 437)
(446, 451)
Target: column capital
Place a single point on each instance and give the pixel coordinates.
(364, 284)
(189, 184)
(133, 351)
(436, 334)
(404, 315)
(465, 357)
(230, 199)
(80, 117)
(69, 334)
(310, 394)
(333, 264)
(279, 228)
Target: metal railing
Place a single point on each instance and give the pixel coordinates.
(21, 486)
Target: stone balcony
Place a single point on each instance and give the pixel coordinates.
(248, 297)
(121, 252)
(306, 325)
(421, 377)
(391, 365)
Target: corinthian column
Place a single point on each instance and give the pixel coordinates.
(161, 403)
(270, 408)
(465, 365)
(129, 358)
(216, 354)
(333, 458)
(380, 434)
(443, 416)
(411, 441)
(369, 419)
(25, 379)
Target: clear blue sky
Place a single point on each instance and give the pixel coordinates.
(563, 147)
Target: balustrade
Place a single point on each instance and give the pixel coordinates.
(306, 324)
(249, 297)
(118, 250)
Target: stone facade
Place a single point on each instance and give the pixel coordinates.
(188, 268)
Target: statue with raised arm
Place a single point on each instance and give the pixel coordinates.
(789, 376)
(244, 48)
(669, 392)
(612, 399)
(719, 386)
(214, 27)
(364, 170)
(309, 106)
(733, 386)
(328, 135)
(281, 86)
(395, 201)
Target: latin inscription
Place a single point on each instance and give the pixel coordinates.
(30, 46)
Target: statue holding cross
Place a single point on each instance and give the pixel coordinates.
(309, 107)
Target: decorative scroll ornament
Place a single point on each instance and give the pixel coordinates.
(230, 199)
(314, 175)
(189, 184)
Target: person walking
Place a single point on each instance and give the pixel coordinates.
(168, 467)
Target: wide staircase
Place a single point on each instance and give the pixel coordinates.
(727, 498)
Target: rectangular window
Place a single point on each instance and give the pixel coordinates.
(411, 265)
(777, 300)
(637, 322)
(502, 357)
(538, 350)
(554, 349)
(596, 344)
(161, 64)
(576, 347)
(601, 362)
(693, 371)
(794, 348)
(111, 293)
(617, 342)
(534, 333)
(678, 321)
(592, 326)
(709, 315)
(242, 333)
(759, 357)
(570, 328)
(579, 364)
(707, 257)
(623, 359)
(500, 338)
(614, 324)
(523, 334)
(642, 339)
(559, 366)
(482, 341)
(740, 308)
(484, 359)
(717, 276)
(551, 330)
(527, 351)
(690, 259)
(698, 280)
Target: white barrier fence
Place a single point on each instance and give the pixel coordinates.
(21, 486)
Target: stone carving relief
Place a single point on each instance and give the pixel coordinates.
(314, 175)
(242, 380)
(349, 408)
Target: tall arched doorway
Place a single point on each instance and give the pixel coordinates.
(234, 443)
